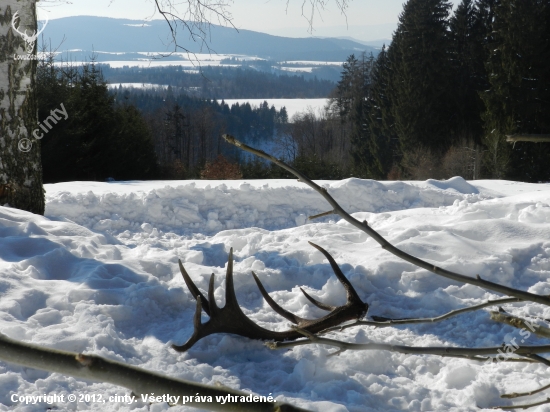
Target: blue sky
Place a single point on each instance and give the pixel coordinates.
(364, 19)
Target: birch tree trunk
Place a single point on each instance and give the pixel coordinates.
(20, 164)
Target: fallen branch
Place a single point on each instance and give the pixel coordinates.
(138, 380)
(363, 226)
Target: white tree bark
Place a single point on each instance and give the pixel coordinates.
(20, 164)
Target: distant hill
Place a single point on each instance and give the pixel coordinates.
(103, 34)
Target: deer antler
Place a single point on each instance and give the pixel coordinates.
(231, 319)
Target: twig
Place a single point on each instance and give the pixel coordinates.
(519, 394)
(520, 323)
(395, 322)
(416, 350)
(138, 380)
(525, 406)
(536, 138)
(330, 212)
(363, 226)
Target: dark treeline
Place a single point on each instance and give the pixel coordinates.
(96, 139)
(138, 134)
(188, 130)
(440, 100)
(224, 82)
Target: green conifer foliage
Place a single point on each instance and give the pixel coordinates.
(420, 82)
(518, 101)
(467, 55)
(98, 139)
(380, 131)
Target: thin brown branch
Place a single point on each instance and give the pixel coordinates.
(534, 138)
(519, 394)
(196, 19)
(139, 381)
(525, 406)
(520, 323)
(395, 322)
(330, 212)
(471, 353)
(363, 226)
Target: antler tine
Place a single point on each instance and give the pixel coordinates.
(211, 299)
(197, 335)
(317, 303)
(351, 293)
(194, 289)
(274, 305)
(230, 297)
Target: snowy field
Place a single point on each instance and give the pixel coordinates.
(99, 275)
(293, 106)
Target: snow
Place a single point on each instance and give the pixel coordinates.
(98, 274)
(293, 106)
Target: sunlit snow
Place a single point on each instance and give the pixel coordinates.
(99, 275)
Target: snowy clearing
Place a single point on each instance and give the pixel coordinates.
(99, 275)
(293, 106)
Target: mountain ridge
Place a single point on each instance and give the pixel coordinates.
(111, 35)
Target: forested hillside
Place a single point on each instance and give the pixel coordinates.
(226, 82)
(438, 102)
(441, 99)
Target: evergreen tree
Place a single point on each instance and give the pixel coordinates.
(467, 54)
(380, 124)
(97, 140)
(518, 100)
(420, 83)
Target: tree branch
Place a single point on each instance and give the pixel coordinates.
(534, 138)
(519, 394)
(519, 323)
(394, 322)
(526, 406)
(363, 226)
(138, 380)
(470, 353)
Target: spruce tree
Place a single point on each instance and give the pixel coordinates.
(420, 84)
(469, 77)
(379, 121)
(518, 100)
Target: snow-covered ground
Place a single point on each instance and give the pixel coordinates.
(99, 275)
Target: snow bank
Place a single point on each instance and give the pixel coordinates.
(99, 274)
(186, 207)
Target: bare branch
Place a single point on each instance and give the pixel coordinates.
(519, 323)
(312, 7)
(381, 322)
(525, 406)
(363, 226)
(138, 380)
(195, 17)
(470, 353)
(517, 395)
(534, 138)
(330, 212)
